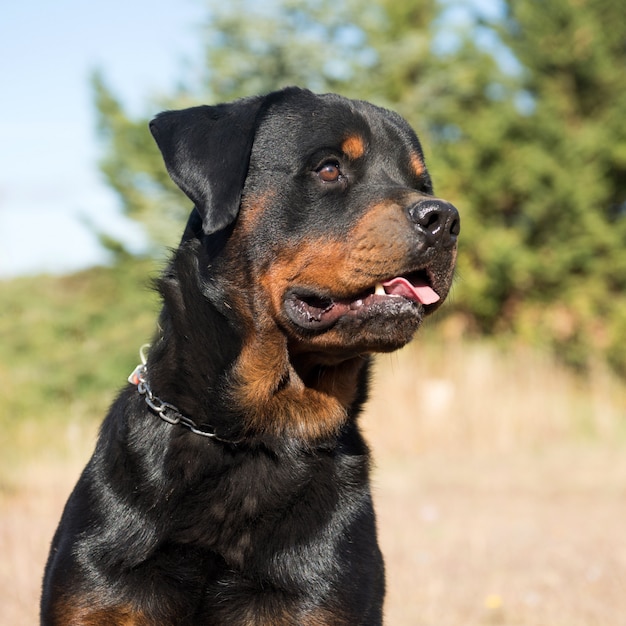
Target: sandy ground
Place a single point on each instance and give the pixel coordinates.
(523, 540)
(519, 539)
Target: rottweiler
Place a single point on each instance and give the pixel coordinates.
(230, 482)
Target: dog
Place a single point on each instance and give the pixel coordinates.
(230, 482)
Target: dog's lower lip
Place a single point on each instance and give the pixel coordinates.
(315, 312)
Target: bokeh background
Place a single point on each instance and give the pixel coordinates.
(500, 433)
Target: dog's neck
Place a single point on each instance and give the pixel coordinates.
(241, 377)
(296, 397)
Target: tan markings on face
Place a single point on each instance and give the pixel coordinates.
(315, 263)
(417, 165)
(383, 241)
(376, 248)
(252, 210)
(353, 146)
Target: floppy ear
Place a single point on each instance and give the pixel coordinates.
(206, 150)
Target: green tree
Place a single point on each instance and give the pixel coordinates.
(254, 48)
(570, 187)
(539, 167)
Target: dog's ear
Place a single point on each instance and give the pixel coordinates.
(206, 150)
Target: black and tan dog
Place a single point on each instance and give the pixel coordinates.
(229, 484)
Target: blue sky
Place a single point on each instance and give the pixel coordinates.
(49, 179)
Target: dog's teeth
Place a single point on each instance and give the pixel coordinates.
(379, 290)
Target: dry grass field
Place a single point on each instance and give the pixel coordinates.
(500, 483)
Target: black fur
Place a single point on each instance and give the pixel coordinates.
(303, 203)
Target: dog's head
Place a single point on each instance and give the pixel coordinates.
(329, 207)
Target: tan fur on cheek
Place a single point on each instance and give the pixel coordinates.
(327, 265)
(252, 210)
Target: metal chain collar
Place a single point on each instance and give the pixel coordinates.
(166, 411)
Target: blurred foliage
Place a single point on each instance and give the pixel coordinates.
(541, 170)
(521, 112)
(65, 341)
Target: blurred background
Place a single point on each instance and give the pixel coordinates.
(499, 434)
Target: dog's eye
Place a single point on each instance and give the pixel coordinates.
(329, 172)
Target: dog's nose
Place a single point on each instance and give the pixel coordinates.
(438, 220)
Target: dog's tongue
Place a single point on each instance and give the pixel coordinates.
(419, 291)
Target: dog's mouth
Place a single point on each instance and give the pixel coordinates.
(313, 311)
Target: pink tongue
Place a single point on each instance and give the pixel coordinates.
(420, 291)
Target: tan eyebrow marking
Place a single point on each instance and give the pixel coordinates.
(417, 165)
(353, 146)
